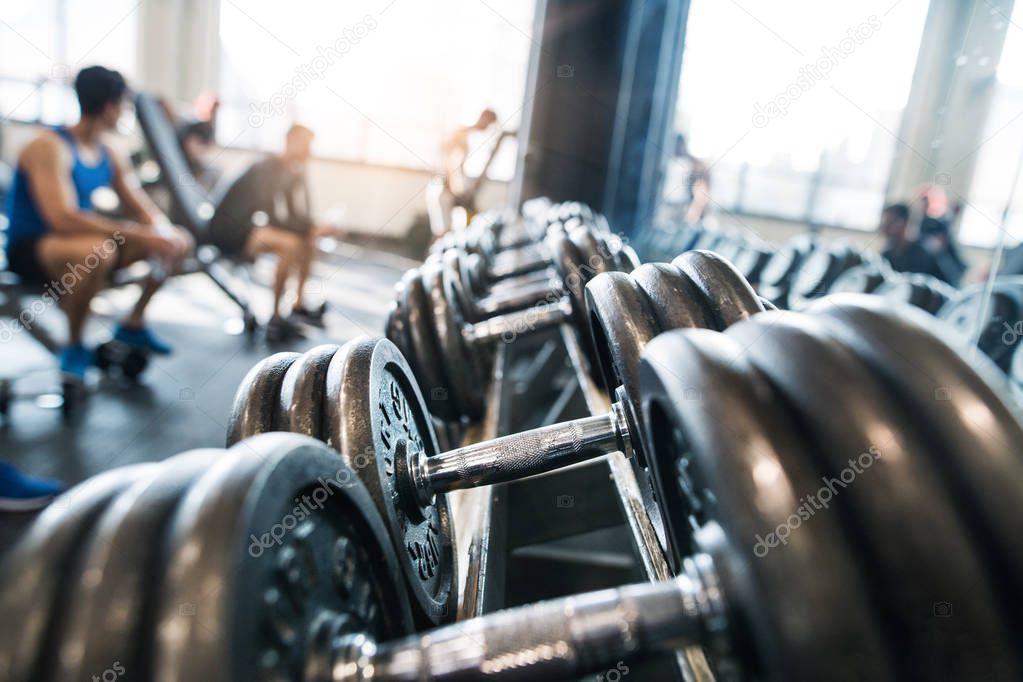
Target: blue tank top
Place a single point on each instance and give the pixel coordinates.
(25, 219)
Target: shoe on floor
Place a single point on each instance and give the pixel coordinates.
(142, 337)
(75, 361)
(280, 329)
(20, 492)
(313, 316)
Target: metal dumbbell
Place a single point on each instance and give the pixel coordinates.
(915, 572)
(446, 335)
(819, 270)
(993, 327)
(364, 400)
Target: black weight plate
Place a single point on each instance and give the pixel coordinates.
(597, 254)
(1016, 372)
(273, 555)
(1004, 313)
(378, 416)
(571, 265)
(726, 293)
(302, 394)
(815, 275)
(725, 452)
(33, 572)
(862, 279)
(784, 263)
(427, 359)
(453, 262)
(975, 434)
(395, 327)
(768, 305)
(255, 401)
(462, 362)
(107, 614)
(752, 261)
(900, 516)
(674, 299)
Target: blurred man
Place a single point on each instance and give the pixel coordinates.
(936, 219)
(56, 238)
(196, 140)
(456, 190)
(266, 210)
(902, 252)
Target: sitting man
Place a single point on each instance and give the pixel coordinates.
(266, 210)
(56, 235)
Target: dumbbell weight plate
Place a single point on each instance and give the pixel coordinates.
(375, 415)
(938, 384)
(256, 400)
(1016, 373)
(727, 294)
(862, 279)
(727, 453)
(461, 363)
(105, 615)
(300, 407)
(278, 553)
(900, 499)
(426, 355)
(33, 572)
(1004, 311)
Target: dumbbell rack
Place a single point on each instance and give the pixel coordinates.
(510, 535)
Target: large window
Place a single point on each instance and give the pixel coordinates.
(794, 106)
(380, 81)
(999, 156)
(44, 42)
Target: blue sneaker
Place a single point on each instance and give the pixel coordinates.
(142, 337)
(75, 360)
(19, 492)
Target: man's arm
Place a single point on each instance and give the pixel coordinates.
(136, 202)
(47, 163)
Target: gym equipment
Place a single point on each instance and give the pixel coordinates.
(997, 328)
(363, 400)
(912, 573)
(119, 359)
(874, 276)
(777, 275)
(819, 270)
(434, 318)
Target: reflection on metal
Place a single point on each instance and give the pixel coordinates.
(692, 661)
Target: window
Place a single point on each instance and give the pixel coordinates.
(380, 81)
(794, 106)
(44, 42)
(1001, 153)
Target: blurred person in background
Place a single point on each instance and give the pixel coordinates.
(55, 232)
(196, 140)
(267, 210)
(935, 232)
(454, 189)
(902, 251)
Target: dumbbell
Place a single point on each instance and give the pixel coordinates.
(777, 275)
(818, 272)
(439, 328)
(364, 400)
(997, 333)
(875, 276)
(913, 573)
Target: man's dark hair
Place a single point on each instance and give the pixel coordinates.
(96, 87)
(899, 210)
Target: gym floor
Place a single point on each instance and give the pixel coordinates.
(183, 401)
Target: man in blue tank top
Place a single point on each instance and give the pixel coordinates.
(58, 240)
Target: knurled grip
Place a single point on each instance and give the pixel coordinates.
(558, 639)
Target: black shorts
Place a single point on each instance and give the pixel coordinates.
(23, 260)
(229, 234)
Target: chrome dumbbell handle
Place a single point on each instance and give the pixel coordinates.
(514, 298)
(558, 639)
(519, 455)
(519, 322)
